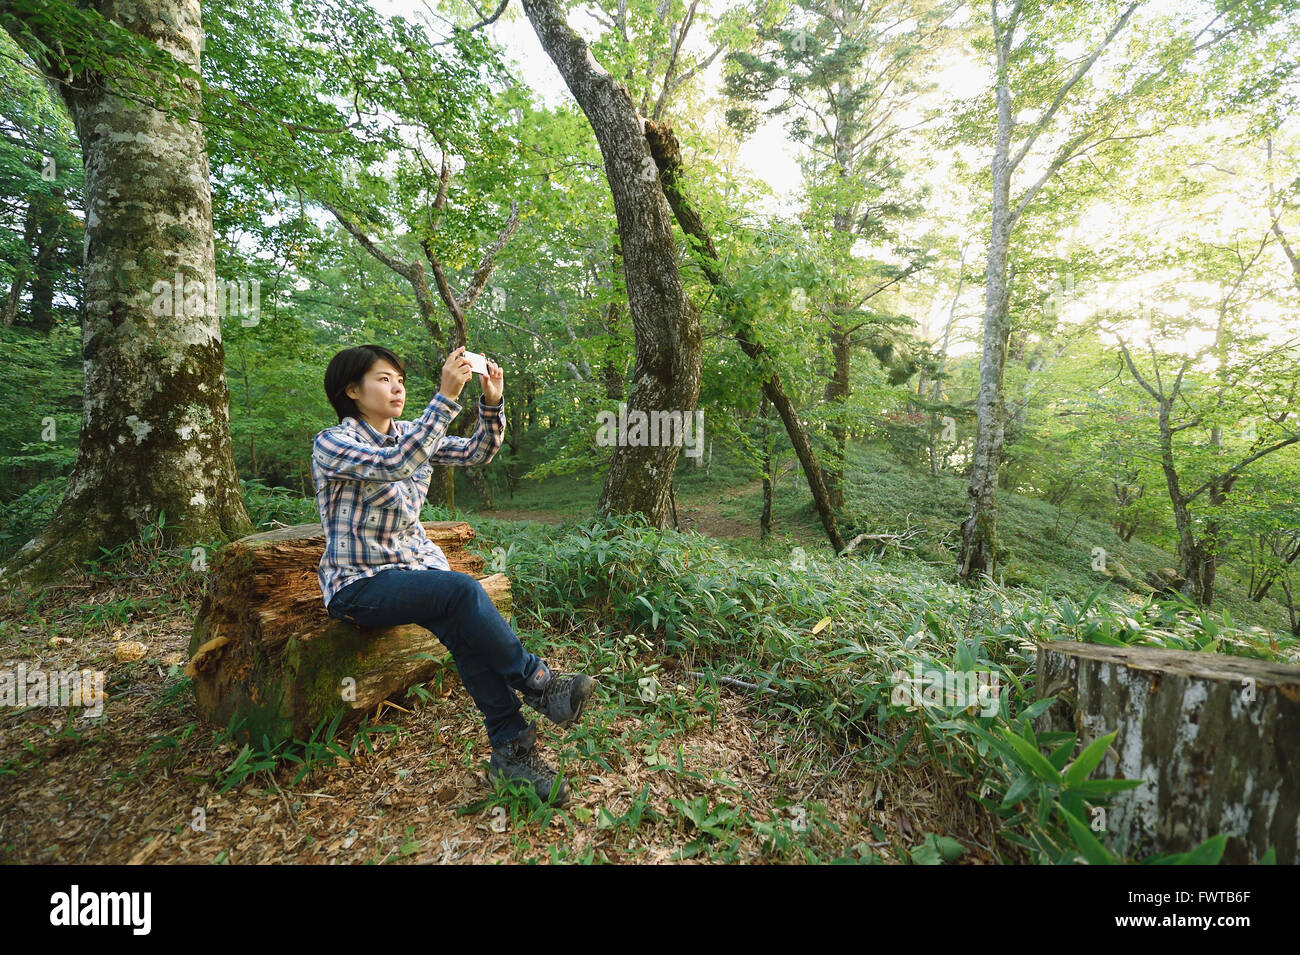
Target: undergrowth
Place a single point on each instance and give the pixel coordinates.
(829, 643)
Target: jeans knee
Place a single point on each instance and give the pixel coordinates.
(466, 592)
(467, 586)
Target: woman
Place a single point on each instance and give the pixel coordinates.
(380, 569)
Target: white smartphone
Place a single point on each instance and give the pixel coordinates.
(477, 363)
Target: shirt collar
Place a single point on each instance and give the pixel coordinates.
(375, 436)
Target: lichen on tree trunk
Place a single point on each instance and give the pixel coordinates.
(155, 425)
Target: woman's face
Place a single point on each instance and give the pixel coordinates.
(382, 393)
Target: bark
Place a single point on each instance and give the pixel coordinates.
(611, 374)
(837, 393)
(1215, 738)
(765, 520)
(979, 530)
(155, 425)
(666, 323)
(265, 650)
(668, 159)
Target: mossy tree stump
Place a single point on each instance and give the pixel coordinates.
(264, 648)
(1216, 739)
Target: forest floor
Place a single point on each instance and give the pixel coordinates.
(725, 779)
(701, 511)
(713, 775)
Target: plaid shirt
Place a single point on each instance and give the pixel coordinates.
(370, 488)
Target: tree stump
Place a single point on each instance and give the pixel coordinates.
(265, 649)
(1216, 739)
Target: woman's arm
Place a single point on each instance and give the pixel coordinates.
(481, 446)
(341, 457)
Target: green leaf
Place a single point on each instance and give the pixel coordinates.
(1093, 851)
(927, 853)
(1032, 759)
(1035, 710)
(1061, 755)
(1088, 760)
(950, 849)
(1208, 852)
(1018, 791)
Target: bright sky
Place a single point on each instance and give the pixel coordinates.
(769, 153)
(770, 156)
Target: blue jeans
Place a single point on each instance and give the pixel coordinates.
(491, 661)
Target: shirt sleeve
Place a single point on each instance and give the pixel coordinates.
(342, 457)
(481, 446)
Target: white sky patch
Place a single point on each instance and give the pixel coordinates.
(771, 156)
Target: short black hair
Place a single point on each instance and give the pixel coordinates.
(349, 367)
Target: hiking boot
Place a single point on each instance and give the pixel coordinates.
(560, 699)
(520, 759)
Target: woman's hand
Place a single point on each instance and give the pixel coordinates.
(455, 373)
(493, 383)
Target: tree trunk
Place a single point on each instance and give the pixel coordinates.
(9, 312)
(444, 475)
(1190, 556)
(1216, 739)
(611, 374)
(155, 426)
(668, 158)
(666, 322)
(474, 475)
(936, 389)
(765, 520)
(48, 244)
(979, 530)
(265, 650)
(837, 393)
(514, 417)
(43, 224)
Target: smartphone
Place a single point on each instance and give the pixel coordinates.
(477, 363)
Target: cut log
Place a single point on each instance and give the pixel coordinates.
(1216, 739)
(265, 650)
